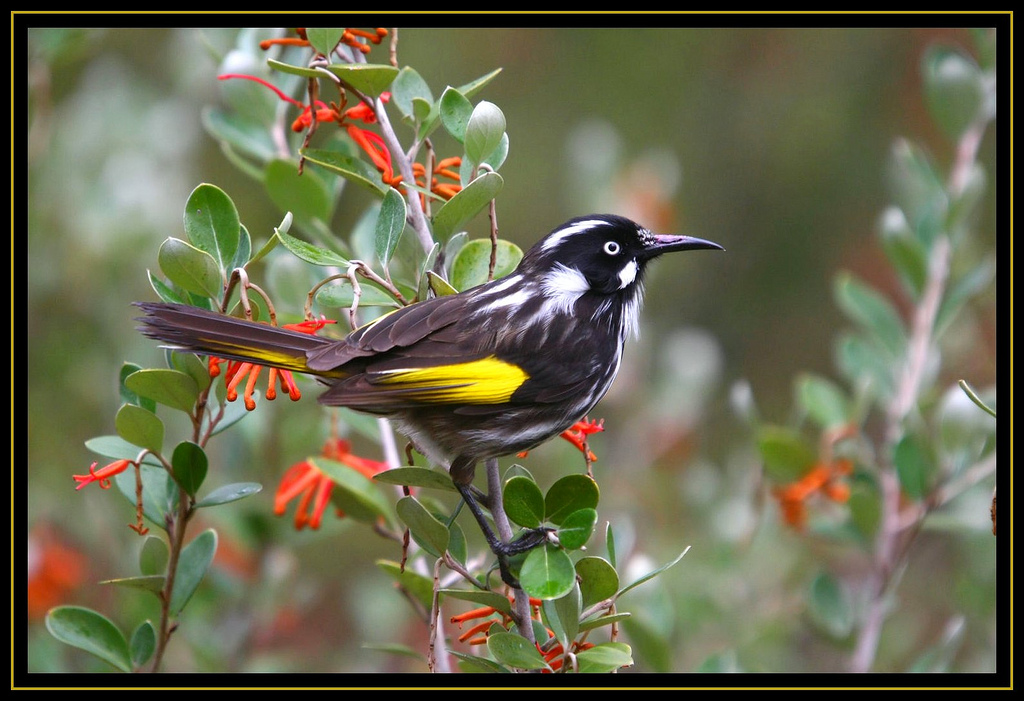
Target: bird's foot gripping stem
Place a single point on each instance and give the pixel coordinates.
(529, 539)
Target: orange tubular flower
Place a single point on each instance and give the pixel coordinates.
(313, 487)
(823, 478)
(103, 475)
(239, 371)
(577, 435)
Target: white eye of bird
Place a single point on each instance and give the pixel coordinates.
(612, 248)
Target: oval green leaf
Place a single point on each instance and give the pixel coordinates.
(484, 130)
(416, 477)
(524, 503)
(787, 457)
(353, 492)
(212, 224)
(473, 261)
(368, 78)
(229, 493)
(143, 644)
(140, 427)
(309, 252)
(456, 110)
(153, 556)
(829, 606)
(547, 573)
(390, 225)
(190, 268)
(193, 563)
(90, 631)
(190, 463)
(515, 651)
(169, 387)
(598, 580)
(352, 169)
(604, 658)
(408, 88)
(429, 532)
(467, 203)
(568, 494)
(577, 528)
(324, 39)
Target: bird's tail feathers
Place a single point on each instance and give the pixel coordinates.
(209, 333)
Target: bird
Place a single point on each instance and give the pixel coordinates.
(491, 371)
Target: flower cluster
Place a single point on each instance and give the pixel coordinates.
(313, 488)
(238, 371)
(824, 478)
(355, 38)
(577, 435)
(553, 653)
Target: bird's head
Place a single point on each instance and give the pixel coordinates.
(601, 253)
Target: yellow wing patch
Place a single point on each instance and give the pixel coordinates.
(485, 381)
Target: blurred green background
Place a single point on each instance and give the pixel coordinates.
(771, 142)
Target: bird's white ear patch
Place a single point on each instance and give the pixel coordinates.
(628, 274)
(563, 286)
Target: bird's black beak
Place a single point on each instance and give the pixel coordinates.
(666, 243)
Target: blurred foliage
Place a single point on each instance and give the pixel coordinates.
(773, 142)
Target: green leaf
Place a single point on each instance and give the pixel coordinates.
(169, 387)
(369, 79)
(866, 365)
(153, 583)
(568, 494)
(409, 87)
(604, 658)
(515, 651)
(341, 295)
(353, 492)
(212, 225)
(193, 563)
(472, 664)
(577, 528)
(153, 556)
(915, 467)
(787, 457)
(117, 448)
(439, 286)
(190, 464)
(390, 225)
(651, 575)
(872, 311)
(829, 606)
(918, 190)
(140, 427)
(129, 397)
(601, 621)
(564, 615)
(324, 39)
(963, 290)
(473, 260)
(190, 268)
(484, 130)
(304, 71)
(306, 195)
(483, 598)
(904, 250)
(143, 644)
(416, 477)
(191, 365)
(524, 503)
(428, 263)
(823, 401)
(429, 532)
(238, 131)
(352, 169)
(166, 292)
(598, 580)
(455, 113)
(416, 584)
(90, 631)
(310, 253)
(547, 573)
(954, 89)
(609, 543)
(467, 203)
(229, 493)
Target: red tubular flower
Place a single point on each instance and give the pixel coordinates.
(102, 475)
(825, 479)
(577, 435)
(239, 371)
(313, 488)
